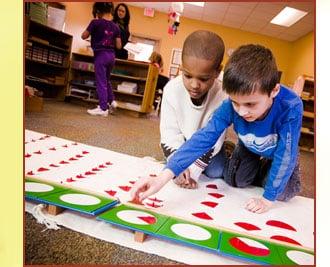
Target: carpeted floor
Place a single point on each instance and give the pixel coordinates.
(121, 133)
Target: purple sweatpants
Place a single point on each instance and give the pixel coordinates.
(103, 64)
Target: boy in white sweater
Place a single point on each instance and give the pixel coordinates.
(189, 101)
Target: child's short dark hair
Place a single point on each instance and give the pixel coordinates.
(206, 45)
(102, 8)
(250, 68)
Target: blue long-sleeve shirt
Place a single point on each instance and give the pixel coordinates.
(274, 137)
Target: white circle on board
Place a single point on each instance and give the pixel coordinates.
(190, 231)
(37, 187)
(253, 243)
(135, 217)
(80, 199)
(300, 257)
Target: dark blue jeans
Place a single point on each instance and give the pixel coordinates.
(245, 168)
(217, 164)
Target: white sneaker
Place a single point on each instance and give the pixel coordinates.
(98, 112)
(113, 107)
(114, 104)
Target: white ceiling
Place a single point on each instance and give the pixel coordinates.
(247, 16)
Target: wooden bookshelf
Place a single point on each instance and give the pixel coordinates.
(82, 82)
(47, 58)
(305, 87)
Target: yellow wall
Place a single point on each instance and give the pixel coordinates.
(302, 58)
(79, 15)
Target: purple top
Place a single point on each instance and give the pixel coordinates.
(103, 34)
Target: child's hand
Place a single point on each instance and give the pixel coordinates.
(258, 205)
(148, 186)
(184, 180)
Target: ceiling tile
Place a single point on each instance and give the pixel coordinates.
(305, 6)
(247, 16)
(216, 6)
(233, 24)
(214, 19)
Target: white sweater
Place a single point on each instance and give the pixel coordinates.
(180, 119)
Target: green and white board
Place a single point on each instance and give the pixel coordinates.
(249, 248)
(35, 189)
(295, 256)
(67, 198)
(136, 219)
(190, 233)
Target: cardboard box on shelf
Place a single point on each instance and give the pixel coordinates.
(34, 103)
(127, 87)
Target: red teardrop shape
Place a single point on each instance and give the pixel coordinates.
(125, 188)
(280, 224)
(216, 195)
(247, 226)
(202, 215)
(210, 204)
(285, 239)
(148, 219)
(213, 186)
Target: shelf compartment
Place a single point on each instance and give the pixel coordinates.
(46, 63)
(307, 131)
(309, 114)
(44, 43)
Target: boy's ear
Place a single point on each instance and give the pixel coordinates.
(275, 91)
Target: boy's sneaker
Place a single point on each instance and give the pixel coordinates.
(98, 112)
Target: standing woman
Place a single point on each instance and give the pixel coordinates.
(122, 17)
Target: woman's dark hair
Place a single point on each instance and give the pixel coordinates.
(127, 15)
(250, 68)
(102, 8)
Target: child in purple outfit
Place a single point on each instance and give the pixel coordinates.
(105, 37)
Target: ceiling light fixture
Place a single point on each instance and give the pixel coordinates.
(200, 4)
(288, 16)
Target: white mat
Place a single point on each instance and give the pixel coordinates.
(67, 162)
(124, 237)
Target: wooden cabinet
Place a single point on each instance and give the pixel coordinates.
(47, 58)
(304, 86)
(133, 82)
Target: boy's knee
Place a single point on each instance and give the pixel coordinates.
(213, 173)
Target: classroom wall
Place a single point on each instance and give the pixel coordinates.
(79, 15)
(302, 58)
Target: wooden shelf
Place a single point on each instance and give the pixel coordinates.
(143, 74)
(52, 46)
(307, 131)
(304, 86)
(76, 69)
(46, 63)
(308, 149)
(305, 98)
(44, 82)
(83, 85)
(127, 77)
(48, 45)
(126, 93)
(308, 114)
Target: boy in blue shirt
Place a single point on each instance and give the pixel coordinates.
(267, 119)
